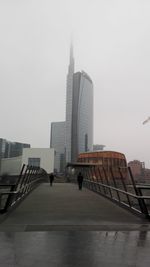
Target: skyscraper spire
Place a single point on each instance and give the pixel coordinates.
(71, 61)
(69, 91)
(71, 51)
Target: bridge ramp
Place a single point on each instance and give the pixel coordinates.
(63, 206)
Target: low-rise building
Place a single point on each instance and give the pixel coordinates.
(140, 173)
(40, 157)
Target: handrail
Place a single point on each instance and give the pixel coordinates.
(30, 177)
(117, 184)
(119, 190)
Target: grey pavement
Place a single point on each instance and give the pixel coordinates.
(75, 249)
(65, 207)
(61, 226)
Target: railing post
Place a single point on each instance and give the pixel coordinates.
(114, 183)
(96, 175)
(101, 178)
(124, 186)
(88, 176)
(9, 199)
(107, 181)
(142, 204)
(93, 175)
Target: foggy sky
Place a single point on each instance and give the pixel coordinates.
(111, 43)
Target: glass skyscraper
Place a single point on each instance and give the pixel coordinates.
(82, 115)
(69, 92)
(75, 135)
(79, 112)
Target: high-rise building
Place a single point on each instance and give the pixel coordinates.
(57, 142)
(82, 115)
(15, 149)
(11, 149)
(69, 92)
(2, 147)
(79, 112)
(77, 130)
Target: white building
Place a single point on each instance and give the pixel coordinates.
(57, 141)
(11, 166)
(41, 157)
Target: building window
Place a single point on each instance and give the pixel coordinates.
(34, 162)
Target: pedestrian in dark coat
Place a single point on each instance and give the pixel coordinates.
(51, 178)
(80, 180)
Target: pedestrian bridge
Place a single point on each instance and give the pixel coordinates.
(64, 207)
(64, 226)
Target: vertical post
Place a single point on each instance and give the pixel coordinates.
(101, 178)
(93, 175)
(107, 181)
(124, 186)
(97, 180)
(142, 204)
(9, 199)
(91, 180)
(14, 197)
(88, 177)
(111, 172)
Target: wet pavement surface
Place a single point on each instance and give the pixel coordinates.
(63, 227)
(64, 207)
(75, 249)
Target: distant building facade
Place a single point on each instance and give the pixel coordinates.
(2, 147)
(140, 173)
(77, 130)
(136, 167)
(10, 149)
(11, 166)
(82, 115)
(79, 112)
(98, 147)
(40, 157)
(57, 142)
(69, 93)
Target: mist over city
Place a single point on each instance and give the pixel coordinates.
(111, 43)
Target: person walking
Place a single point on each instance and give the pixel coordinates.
(80, 180)
(51, 178)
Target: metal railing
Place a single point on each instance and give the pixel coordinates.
(11, 194)
(118, 185)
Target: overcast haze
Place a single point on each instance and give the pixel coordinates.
(111, 43)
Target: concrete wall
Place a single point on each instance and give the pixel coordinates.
(11, 166)
(46, 156)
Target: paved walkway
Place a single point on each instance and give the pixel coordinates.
(64, 227)
(63, 206)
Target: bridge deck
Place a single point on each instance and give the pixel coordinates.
(64, 227)
(63, 206)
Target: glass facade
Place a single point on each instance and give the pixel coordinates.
(69, 93)
(11, 149)
(82, 115)
(58, 143)
(34, 162)
(78, 133)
